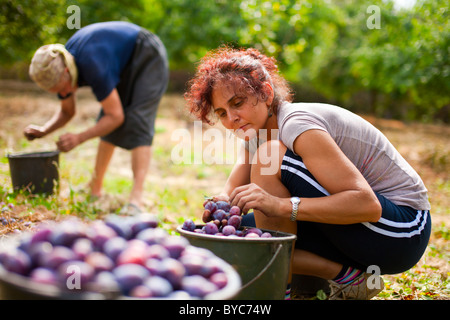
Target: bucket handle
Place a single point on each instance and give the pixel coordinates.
(264, 269)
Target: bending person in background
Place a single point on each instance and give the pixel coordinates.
(315, 170)
(126, 66)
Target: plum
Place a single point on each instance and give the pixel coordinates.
(211, 228)
(104, 281)
(143, 221)
(207, 216)
(135, 252)
(219, 279)
(188, 225)
(98, 232)
(235, 211)
(211, 206)
(42, 234)
(82, 247)
(16, 260)
(255, 230)
(219, 214)
(152, 236)
(114, 246)
(44, 276)
(266, 235)
(173, 270)
(159, 286)
(223, 205)
(197, 286)
(193, 264)
(120, 225)
(57, 256)
(235, 221)
(67, 232)
(129, 276)
(141, 291)
(175, 245)
(38, 250)
(99, 261)
(228, 230)
(157, 251)
(252, 235)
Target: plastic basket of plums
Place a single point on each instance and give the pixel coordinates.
(113, 258)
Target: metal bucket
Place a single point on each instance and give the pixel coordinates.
(263, 263)
(35, 172)
(14, 286)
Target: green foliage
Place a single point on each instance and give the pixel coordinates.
(191, 27)
(398, 69)
(26, 25)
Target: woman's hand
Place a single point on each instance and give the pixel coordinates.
(68, 141)
(32, 132)
(251, 196)
(221, 197)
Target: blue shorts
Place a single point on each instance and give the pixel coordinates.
(395, 243)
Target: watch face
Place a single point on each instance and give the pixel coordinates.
(295, 200)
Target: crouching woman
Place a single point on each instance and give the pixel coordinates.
(315, 170)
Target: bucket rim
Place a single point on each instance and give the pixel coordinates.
(43, 290)
(277, 236)
(34, 154)
(26, 287)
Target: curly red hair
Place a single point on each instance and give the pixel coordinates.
(246, 70)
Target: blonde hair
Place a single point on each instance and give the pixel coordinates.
(48, 64)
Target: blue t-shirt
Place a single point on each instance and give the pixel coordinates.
(101, 51)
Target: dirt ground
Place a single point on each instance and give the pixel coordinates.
(426, 147)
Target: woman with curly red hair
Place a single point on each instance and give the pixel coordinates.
(339, 184)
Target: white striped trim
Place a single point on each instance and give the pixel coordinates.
(306, 178)
(294, 161)
(398, 234)
(396, 224)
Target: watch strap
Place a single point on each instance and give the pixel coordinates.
(295, 202)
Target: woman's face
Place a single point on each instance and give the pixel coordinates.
(64, 87)
(244, 115)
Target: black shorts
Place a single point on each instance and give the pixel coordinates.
(395, 243)
(142, 84)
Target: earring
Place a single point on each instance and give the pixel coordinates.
(270, 111)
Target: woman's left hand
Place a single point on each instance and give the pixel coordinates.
(251, 196)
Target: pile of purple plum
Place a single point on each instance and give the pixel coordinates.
(222, 219)
(130, 256)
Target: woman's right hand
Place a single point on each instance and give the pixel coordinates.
(32, 132)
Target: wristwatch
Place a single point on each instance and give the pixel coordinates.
(295, 202)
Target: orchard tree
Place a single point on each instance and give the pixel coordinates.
(26, 25)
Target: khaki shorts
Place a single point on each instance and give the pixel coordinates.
(142, 84)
